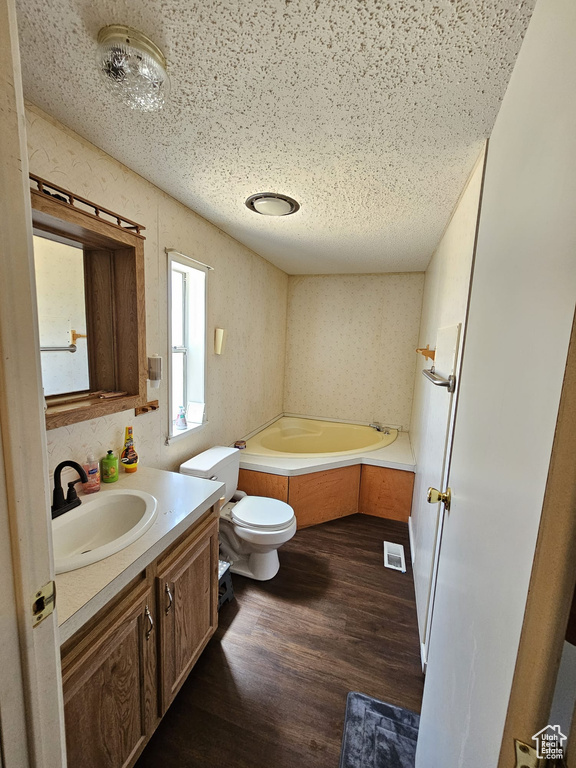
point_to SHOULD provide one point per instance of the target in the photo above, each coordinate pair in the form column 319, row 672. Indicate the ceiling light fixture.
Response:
column 133, row 67
column 270, row 204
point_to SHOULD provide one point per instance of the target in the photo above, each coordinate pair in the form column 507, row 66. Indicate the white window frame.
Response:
column 189, row 264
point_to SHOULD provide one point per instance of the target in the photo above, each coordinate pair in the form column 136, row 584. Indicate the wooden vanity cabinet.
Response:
column 187, row 598
column 122, row 670
column 109, row 682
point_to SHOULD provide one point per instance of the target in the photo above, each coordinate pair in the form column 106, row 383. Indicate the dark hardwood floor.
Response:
column 270, row 689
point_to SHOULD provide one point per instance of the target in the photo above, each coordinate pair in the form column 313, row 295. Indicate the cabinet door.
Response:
column 109, row 680
column 187, row 594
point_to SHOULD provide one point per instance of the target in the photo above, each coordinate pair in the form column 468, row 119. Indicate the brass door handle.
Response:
column 434, row 496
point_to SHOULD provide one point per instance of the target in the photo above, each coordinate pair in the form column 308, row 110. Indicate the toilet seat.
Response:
column 264, row 514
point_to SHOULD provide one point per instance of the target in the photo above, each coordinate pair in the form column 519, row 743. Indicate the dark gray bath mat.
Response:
column 378, row 735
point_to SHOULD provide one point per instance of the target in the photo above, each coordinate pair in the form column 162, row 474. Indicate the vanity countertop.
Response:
column 182, row 500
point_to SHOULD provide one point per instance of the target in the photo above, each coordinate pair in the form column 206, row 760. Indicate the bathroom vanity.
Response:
column 133, row 625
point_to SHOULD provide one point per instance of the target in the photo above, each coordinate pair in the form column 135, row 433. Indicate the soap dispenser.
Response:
column 92, row 469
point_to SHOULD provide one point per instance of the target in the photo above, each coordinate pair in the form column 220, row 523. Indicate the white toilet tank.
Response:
column 218, row 463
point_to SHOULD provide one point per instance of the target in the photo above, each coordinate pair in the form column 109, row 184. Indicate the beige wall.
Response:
column 350, row 346
column 446, row 292
column 246, row 295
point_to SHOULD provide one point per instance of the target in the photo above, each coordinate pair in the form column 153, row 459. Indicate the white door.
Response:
column 520, row 317
column 426, row 519
column 31, row 711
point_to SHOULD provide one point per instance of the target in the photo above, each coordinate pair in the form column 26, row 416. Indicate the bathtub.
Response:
column 292, row 437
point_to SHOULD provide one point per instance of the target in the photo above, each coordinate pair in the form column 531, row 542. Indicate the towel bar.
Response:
column 439, row 381
column 69, row 348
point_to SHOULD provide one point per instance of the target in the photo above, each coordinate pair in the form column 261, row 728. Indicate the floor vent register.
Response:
column 394, row 556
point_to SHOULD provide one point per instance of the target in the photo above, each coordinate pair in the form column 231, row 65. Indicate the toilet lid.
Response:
column 263, row 513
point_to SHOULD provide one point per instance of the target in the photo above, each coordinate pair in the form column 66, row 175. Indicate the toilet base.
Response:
column 260, row 566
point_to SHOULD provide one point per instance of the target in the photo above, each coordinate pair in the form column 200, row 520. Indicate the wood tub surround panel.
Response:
column 323, row 496
column 121, row 671
column 386, row 492
column 263, row 484
column 327, row 495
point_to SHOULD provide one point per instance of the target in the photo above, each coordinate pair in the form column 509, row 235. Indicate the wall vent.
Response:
column 394, row 556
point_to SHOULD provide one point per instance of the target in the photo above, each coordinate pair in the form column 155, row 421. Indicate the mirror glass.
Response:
column 59, row 269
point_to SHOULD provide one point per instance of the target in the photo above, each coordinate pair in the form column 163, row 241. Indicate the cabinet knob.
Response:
column 150, row 619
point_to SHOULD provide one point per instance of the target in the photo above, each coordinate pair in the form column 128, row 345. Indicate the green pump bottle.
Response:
column 110, row 468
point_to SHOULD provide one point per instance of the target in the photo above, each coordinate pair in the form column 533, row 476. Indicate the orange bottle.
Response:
column 129, row 457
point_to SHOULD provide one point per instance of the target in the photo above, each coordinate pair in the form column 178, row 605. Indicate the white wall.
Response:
column 246, row 295
column 350, row 346
column 446, row 287
column 445, row 302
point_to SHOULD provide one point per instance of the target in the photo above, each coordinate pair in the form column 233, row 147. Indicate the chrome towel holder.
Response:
column 69, row 348
column 440, row 381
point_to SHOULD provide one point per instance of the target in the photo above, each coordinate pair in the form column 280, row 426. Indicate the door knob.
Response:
column 434, row 496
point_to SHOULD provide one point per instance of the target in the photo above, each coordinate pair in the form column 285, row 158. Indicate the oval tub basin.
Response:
column 307, row 438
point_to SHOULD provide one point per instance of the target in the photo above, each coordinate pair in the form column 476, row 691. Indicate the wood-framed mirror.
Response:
column 105, row 252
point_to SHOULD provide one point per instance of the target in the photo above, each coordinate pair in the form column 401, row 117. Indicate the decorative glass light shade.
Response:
column 133, row 67
column 271, row 204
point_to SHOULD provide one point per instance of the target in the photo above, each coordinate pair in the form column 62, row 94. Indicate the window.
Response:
column 187, row 343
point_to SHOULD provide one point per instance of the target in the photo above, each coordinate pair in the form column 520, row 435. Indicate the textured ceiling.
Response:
column 371, row 114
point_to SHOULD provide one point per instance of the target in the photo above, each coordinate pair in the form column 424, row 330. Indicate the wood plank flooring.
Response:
column 270, row 689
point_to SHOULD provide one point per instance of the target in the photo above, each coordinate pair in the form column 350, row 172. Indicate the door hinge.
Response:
column 527, row 757
column 43, row 603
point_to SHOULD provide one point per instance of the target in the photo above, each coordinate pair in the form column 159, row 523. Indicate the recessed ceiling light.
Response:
column 270, row 204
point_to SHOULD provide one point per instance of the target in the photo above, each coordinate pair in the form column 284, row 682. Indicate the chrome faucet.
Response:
column 379, row 428
column 59, row 504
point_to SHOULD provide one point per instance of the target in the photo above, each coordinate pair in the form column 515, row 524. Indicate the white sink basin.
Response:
column 100, row 527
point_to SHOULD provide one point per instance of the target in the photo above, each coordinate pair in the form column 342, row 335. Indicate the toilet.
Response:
column 251, row 527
